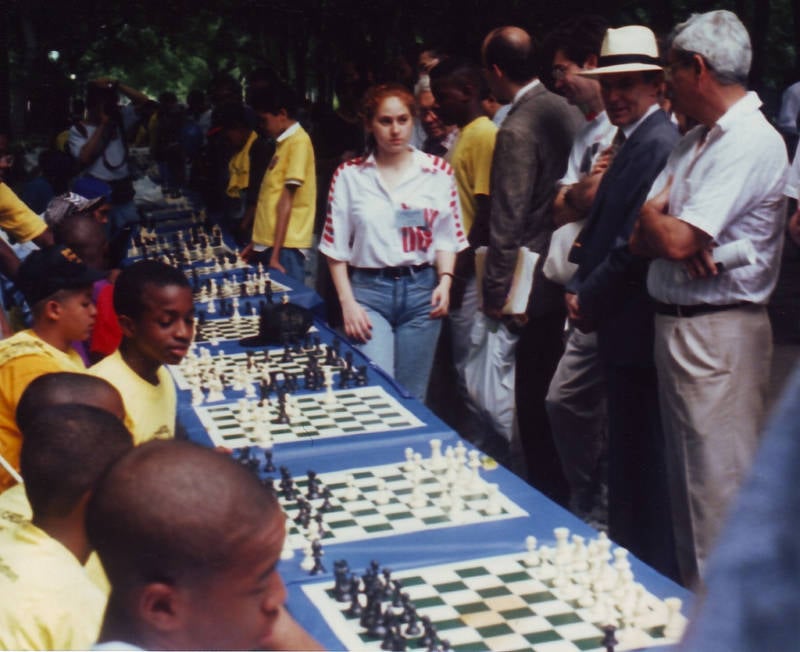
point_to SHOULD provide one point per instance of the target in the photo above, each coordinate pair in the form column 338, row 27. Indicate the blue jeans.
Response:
column 293, row 261
column 403, row 334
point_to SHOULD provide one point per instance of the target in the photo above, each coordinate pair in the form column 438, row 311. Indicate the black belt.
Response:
column 676, row 310
column 393, row 272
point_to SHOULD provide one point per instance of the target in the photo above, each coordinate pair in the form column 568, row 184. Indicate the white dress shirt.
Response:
column 728, row 182
column 361, row 225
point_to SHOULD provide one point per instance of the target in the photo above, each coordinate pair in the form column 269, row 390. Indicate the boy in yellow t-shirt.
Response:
column 58, row 287
column 154, row 305
column 47, row 599
column 284, row 221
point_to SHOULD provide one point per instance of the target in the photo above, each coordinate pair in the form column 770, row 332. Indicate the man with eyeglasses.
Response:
column 576, row 402
column 723, row 184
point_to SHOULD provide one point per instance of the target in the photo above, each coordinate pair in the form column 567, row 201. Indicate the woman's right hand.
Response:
column 356, row 322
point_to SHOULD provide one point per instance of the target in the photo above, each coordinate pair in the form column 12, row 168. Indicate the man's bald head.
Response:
column 175, row 512
column 511, row 49
column 66, row 388
column 82, row 233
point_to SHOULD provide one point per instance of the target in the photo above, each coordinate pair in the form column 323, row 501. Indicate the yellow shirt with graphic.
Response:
column 23, row 358
column 47, row 601
column 16, row 218
column 472, row 163
column 15, row 509
column 239, row 168
column 292, row 164
column 150, row 410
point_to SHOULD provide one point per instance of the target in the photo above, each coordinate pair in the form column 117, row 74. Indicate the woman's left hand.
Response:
column 440, row 299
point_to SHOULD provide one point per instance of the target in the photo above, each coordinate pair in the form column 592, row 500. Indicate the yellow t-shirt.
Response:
column 47, row 601
column 292, row 164
column 15, row 509
column 239, row 168
column 472, row 163
column 150, row 410
column 23, row 358
column 16, row 218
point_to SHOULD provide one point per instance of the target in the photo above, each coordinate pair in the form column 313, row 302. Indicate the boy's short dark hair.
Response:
column 60, row 388
column 65, row 451
column 459, row 71
column 273, row 99
column 130, row 285
column 53, row 269
column 231, row 115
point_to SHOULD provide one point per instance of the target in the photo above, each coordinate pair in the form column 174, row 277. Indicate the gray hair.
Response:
column 722, row 40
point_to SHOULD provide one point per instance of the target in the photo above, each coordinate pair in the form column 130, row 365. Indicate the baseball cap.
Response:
column 65, row 205
column 46, row 271
column 90, row 188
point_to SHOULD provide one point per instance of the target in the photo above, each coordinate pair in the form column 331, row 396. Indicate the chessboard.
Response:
column 391, row 499
column 248, row 367
column 181, row 247
column 506, row 602
column 221, row 330
column 356, row 411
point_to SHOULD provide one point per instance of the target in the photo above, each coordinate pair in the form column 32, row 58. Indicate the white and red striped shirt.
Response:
column 361, row 225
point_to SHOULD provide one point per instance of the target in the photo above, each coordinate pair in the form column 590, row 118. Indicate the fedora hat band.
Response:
column 619, row 59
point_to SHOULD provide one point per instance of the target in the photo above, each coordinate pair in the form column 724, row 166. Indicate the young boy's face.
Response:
column 77, row 314
column 164, row 330
column 273, row 123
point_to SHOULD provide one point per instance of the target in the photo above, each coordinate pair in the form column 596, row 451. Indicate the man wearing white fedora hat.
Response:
column 608, row 294
column 713, row 341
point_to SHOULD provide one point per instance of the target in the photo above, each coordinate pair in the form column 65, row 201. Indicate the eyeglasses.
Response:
column 559, row 72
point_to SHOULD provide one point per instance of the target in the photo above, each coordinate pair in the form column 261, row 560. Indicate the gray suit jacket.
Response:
column 530, row 156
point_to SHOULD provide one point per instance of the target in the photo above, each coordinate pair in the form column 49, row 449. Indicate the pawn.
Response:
column 354, row 610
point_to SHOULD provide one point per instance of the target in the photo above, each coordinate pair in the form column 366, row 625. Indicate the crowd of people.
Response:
column 641, row 200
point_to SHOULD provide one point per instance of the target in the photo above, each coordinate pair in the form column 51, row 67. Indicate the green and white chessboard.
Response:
column 374, row 511
column 356, row 411
column 496, row 603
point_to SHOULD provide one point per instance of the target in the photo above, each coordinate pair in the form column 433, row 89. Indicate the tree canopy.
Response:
column 158, row 46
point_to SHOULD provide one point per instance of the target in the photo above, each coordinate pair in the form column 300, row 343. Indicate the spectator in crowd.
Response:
column 393, row 302
column 531, row 154
column 713, row 341
column 439, row 137
column 576, row 399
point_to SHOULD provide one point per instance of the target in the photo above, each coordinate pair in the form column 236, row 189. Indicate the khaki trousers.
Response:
column 713, row 375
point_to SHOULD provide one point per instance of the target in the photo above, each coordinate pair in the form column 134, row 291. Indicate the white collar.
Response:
column 524, row 90
column 743, row 107
column 629, row 129
column 288, row 132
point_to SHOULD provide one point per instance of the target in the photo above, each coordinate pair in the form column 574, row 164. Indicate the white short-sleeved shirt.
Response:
column 363, row 221
column 595, row 136
column 729, row 184
column 793, row 182
column 114, row 154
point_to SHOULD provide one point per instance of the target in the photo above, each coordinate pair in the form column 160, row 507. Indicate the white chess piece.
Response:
column 418, row 498
column 308, row 559
column 532, row 558
column 409, row 465
column 330, row 397
column 493, row 506
column 382, row 496
column 474, row 469
column 676, row 623
column 351, row 493
column 436, row 461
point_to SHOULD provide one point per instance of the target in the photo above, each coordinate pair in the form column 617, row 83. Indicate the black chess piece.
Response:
column 201, row 317
column 609, row 640
column 355, row 610
column 313, row 485
column 412, row 628
column 326, row 504
column 269, row 467
column 316, row 551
